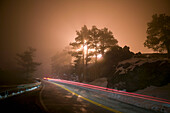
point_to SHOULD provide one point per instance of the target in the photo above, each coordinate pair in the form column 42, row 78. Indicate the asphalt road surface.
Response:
column 58, row 100
column 87, row 105
column 52, row 98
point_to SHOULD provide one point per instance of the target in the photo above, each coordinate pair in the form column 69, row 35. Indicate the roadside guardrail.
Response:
column 19, row 89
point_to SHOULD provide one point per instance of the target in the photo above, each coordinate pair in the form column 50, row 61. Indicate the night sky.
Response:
column 50, row 25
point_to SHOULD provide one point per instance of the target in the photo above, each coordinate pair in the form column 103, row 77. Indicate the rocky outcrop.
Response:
column 139, row 73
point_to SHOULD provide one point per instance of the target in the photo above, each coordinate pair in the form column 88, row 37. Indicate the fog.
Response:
column 49, row 25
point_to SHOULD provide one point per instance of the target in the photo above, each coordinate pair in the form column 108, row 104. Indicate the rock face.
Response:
column 138, row 73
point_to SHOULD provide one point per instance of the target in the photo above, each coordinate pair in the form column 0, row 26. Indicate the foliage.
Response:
column 25, row 61
column 113, row 57
column 107, row 40
column 108, row 64
column 95, row 35
column 159, row 33
column 90, row 43
column 78, row 50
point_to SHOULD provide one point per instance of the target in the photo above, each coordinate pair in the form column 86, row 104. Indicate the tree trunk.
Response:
column 102, row 51
column 95, row 53
column 85, row 74
column 167, row 44
column 87, row 56
column 83, row 64
column 96, row 58
column 168, row 50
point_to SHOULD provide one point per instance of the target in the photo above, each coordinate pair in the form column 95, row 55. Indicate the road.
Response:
column 74, row 103
column 57, row 98
column 27, row 102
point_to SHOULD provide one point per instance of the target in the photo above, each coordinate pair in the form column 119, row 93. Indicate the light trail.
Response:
column 146, row 97
column 76, row 83
column 115, row 91
column 91, row 101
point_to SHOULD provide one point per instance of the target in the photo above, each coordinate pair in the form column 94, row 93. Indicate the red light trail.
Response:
column 146, row 97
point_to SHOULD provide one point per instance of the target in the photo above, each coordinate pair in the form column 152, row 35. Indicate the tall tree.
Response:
column 78, row 56
column 25, row 61
column 107, row 40
column 81, row 47
column 158, row 33
column 83, row 39
column 89, row 43
column 94, row 34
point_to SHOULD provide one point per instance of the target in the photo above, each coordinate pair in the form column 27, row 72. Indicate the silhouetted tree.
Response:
column 107, row 40
column 114, row 56
column 78, row 57
column 25, row 61
column 159, row 33
column 89, row 43
column 82, row 41
column 95, row 34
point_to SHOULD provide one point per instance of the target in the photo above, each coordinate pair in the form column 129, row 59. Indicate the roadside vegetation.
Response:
column 95, row 53
column 22, row 73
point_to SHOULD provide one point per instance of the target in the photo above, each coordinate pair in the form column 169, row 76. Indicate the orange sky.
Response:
column 50, row 25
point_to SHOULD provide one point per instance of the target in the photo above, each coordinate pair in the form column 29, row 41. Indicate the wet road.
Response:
column 58, row 98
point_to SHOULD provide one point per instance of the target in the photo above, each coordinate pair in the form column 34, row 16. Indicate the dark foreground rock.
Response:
column 139, row 73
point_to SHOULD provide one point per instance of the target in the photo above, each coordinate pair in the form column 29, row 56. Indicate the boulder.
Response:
column 138, row 73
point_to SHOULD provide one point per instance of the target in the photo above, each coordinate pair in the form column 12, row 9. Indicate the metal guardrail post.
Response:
column 6, row 93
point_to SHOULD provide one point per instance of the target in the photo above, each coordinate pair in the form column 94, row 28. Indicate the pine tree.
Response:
column 25, row 61
column 80, row 48
column 159, row 33
column 94, row 34
column 107, row 40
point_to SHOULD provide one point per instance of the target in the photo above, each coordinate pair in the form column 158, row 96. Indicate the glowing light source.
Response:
column 46, row 78
column 99, row 56
column 85, row 49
